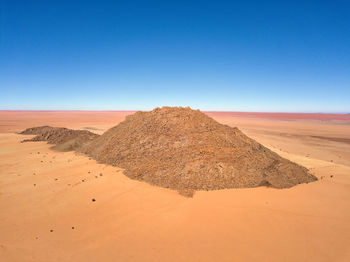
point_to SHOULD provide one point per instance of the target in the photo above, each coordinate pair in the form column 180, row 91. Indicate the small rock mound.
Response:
column 64, row 138
column 36, row 130
column 186, row 150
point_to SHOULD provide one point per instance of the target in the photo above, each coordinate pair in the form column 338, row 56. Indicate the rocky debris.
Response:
column 64, row 138
column 185, row 150
column 181, row 149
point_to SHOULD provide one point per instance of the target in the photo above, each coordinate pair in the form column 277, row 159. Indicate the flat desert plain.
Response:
column 59, row 206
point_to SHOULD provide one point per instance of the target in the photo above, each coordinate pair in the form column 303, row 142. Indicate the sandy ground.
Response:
column 47, row 212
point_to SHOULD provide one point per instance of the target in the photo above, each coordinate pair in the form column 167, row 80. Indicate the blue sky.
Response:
column 286, row 56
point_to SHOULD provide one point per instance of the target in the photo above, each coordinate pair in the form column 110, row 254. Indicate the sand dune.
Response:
column 48, row 212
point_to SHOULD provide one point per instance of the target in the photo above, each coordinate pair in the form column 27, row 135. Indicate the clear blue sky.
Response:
column 289, row 56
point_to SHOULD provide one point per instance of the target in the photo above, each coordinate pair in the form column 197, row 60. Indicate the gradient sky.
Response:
column 286, row 56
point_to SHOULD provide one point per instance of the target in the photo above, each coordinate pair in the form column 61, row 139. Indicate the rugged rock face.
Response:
column 65, row 139
column 186, row 150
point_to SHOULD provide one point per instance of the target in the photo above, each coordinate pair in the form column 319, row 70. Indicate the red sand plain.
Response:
column 43, row 190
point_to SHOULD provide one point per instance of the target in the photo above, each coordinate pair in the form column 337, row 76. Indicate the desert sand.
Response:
column 63, row 206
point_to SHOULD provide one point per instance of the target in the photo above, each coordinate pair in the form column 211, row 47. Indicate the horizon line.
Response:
column 133, row 110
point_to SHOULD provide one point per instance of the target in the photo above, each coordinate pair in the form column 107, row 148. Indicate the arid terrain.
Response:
column 64, row 206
